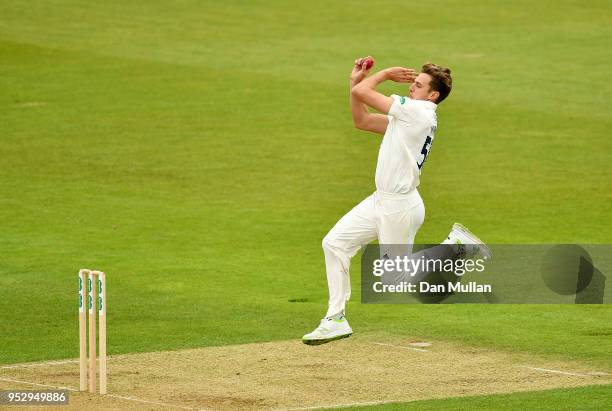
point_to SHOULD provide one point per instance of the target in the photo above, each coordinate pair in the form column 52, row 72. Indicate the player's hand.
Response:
column 401, row 74
column 361, row 69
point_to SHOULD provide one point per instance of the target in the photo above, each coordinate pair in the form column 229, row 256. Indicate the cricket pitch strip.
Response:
column 288, row 375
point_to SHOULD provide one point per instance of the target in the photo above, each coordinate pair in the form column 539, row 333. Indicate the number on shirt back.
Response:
column 425, row 151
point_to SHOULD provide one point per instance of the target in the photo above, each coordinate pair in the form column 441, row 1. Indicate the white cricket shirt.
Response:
column 405, row 145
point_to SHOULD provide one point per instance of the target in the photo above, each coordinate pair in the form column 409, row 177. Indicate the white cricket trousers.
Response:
column 392, row 218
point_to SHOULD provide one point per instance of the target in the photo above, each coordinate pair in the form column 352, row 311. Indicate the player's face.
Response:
column 419, row 90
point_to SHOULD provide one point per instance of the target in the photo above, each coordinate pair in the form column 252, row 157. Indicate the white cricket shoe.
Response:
column 328, row 330
column 468, row 244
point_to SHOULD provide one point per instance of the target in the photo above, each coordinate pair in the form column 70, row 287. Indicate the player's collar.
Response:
column 431, row 105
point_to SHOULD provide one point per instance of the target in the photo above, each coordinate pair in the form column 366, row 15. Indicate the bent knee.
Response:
column 327, row 242
column 332, row 241
column 336, row 244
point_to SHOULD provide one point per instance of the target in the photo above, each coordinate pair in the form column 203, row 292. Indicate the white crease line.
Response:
column 37, row 364
column 106, row 395
column 564, row 372
column 38, row 385
column 353, row 404
column 400, row 346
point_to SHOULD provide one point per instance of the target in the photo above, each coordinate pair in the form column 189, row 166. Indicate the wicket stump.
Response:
column 92, row 294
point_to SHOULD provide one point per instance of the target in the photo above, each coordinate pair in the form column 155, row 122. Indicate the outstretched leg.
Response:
column 356, row 228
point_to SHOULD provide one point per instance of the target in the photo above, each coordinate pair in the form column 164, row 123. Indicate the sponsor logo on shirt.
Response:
column 402, row 100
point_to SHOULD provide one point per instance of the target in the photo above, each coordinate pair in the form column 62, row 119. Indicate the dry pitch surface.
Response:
column 366, row 369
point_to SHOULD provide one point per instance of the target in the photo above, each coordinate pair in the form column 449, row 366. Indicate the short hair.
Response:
column 441, row 80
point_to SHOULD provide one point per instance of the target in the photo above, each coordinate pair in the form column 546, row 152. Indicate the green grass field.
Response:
column 586, row 398
column 198, row 152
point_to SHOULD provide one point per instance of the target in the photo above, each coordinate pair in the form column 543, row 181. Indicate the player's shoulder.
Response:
column 416, row 109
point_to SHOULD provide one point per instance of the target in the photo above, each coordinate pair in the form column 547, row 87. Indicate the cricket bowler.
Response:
column 395, row 211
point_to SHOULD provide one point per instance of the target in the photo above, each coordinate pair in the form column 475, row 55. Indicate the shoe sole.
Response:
column 484, row 250
column 326, row 340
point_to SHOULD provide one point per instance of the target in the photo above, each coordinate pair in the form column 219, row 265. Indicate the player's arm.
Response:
column 362, row 118
column 365, row 91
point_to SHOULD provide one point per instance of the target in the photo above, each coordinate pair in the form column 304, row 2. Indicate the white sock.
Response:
column 338, row 316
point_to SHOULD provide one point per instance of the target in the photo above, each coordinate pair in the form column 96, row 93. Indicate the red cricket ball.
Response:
column 368, row 63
